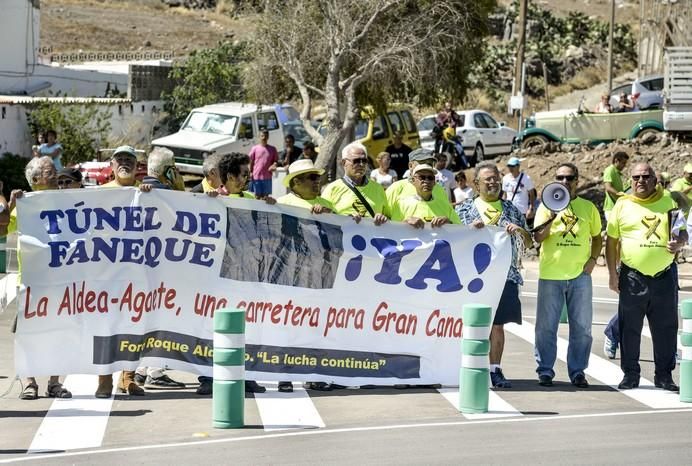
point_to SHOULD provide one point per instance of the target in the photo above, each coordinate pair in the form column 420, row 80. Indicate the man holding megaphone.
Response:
column 570, row 235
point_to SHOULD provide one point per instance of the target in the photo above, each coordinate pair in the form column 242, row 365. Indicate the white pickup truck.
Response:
column 677, row 90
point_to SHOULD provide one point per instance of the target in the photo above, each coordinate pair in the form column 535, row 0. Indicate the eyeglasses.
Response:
column 641, row 177
column 309, row 176
column 358, row 161
column 426, row 177
column 65, row 182
column 566, row 177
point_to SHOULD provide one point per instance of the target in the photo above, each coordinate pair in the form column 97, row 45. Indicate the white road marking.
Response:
column 497, row 407
column 77, row 422
column 303, row 433
column 281, row 411
column 608, row 373
column 8, row 290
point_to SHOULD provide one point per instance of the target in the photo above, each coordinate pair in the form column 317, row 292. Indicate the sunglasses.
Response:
column 358, row 161
column 65, row 182
column 426, row 177
column 310, row 176
column 566, row 177
column 641, row 177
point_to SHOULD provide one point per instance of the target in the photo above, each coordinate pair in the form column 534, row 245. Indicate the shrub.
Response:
column 12, row 173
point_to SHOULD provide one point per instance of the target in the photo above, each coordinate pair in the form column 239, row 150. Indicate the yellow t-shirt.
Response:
column 115, row 184
column 405, row 188
column 295, row 201
column 414, row 206
column 679, row 185
column 490, row 211
column 565, row 251
column 246, row 195
column 644, row 231
column 346, row 202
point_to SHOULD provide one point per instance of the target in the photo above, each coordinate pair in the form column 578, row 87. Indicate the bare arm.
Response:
column 612, row 191
column 612, row 254
column 540, row 235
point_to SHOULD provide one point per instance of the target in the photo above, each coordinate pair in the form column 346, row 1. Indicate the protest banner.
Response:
column 114, row 279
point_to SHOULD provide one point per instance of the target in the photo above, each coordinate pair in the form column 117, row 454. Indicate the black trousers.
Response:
column 657, row 299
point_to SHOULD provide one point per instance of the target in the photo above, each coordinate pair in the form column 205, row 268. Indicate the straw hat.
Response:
column 301, row 167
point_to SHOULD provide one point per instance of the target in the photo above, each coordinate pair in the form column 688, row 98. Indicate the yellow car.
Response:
column 376, row 130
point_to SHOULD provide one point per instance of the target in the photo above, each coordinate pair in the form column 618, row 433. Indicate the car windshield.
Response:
column 295, row 128
column 211, row 123
column 426, row 124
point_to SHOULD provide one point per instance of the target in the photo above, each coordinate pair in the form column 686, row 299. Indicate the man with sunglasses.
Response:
column 489, row 209
column 424, row 207
column 405, row 187
column 641, row 238
column 69, row 178
column 570, row 243
column 356, row 194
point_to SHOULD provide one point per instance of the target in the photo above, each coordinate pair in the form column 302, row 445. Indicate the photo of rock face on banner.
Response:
column 280, row 249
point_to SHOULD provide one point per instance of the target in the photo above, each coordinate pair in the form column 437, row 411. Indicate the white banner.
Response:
column 115, row 279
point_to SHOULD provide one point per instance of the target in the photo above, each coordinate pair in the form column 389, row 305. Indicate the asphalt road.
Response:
column 527, row 423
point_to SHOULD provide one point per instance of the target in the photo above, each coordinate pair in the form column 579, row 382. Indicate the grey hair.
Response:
column 485, row 165
column 210, row 163
column 159, row 159
column 645, row 163
column 350, row 147
column 32, row 171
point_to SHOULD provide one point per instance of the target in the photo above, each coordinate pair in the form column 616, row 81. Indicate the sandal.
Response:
column 56, row 390
column 30, row 392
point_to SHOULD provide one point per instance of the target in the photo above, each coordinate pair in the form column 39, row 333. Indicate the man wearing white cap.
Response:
column 123, row 164
column 518, row 188
column 424, row 207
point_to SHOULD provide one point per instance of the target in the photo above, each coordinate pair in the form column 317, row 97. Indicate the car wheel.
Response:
column 533, row 140
column 478, row 154
column 646, row 131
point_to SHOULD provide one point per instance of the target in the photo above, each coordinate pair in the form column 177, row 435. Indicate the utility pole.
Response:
column 610, row 46
column 521, row 45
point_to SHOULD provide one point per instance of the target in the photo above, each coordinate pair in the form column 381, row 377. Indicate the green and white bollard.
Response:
column 474, row 375
column 563, row 314
column 686, row 360
column 3, row 254
column 228, row 398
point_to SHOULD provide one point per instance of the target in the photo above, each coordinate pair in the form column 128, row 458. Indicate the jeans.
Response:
column 612, row 330
column 551, row 297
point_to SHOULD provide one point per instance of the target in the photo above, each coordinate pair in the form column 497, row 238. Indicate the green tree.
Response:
column 81, row 128
column 351, row 52
column 207, row 76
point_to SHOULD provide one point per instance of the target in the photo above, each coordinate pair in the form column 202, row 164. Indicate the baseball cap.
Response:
column 420, row 154
column 129, row 150
column 513, row 162
column 688, row 168
column 423, row 168
column 71, row 173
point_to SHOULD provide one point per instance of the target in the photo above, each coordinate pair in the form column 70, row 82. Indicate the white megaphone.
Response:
column 555, row 197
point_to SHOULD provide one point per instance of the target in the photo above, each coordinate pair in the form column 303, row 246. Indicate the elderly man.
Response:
column 489, row 209
column 211, row 181
column 123, row 165
column 570, row 243
column 356, row 194
column 69, row 178
column 41, row 175
column 405, row 187
column 640, row 237
column 424, row 207
column 518, row 188
column 684, row 186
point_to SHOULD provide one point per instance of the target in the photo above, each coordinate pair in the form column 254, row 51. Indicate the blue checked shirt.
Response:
column 468, row 213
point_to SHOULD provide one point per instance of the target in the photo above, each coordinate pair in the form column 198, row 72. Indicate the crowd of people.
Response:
column 644, row 230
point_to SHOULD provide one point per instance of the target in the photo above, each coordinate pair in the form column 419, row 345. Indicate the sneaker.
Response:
column 163, row 381
column 253, row 387
column 285, row 387
column 609, row 348
column 498, row 379
column 140, row 379
column 320, row 386
column 206, row 387
column 545, row 380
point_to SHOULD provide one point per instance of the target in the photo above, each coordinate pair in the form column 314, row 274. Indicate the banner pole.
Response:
column 228, row 396
column 686, row 360
column 474, row 376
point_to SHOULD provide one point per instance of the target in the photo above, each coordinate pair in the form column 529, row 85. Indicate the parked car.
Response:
column 228, row 127
column 481, row 134
column 648, row 91
column 575, row 126
column 375, row 130
column 99, row 171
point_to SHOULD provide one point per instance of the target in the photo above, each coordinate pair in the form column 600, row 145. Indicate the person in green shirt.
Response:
column 684, row 186
column 570, row 243
column 303, row 182
column 404, row 187
column 613, row 181
column 642, row 240
column 370, row 201
column 423, row 206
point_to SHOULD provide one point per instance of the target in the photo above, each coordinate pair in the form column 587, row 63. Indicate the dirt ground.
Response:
column 103, row 25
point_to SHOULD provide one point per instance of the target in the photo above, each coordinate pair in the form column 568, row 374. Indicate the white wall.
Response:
column 130, row 124
column 19, row 41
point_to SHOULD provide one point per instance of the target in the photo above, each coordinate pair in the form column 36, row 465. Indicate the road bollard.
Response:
column 3, row 254
column 563, row 314
column 475, row 347
column 228, row 396
column 686, row 360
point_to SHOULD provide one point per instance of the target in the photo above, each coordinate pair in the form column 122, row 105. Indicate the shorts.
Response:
column 509, row 309
column 261, row 187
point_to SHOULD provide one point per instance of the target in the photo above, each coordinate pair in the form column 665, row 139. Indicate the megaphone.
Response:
column 555, row 197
